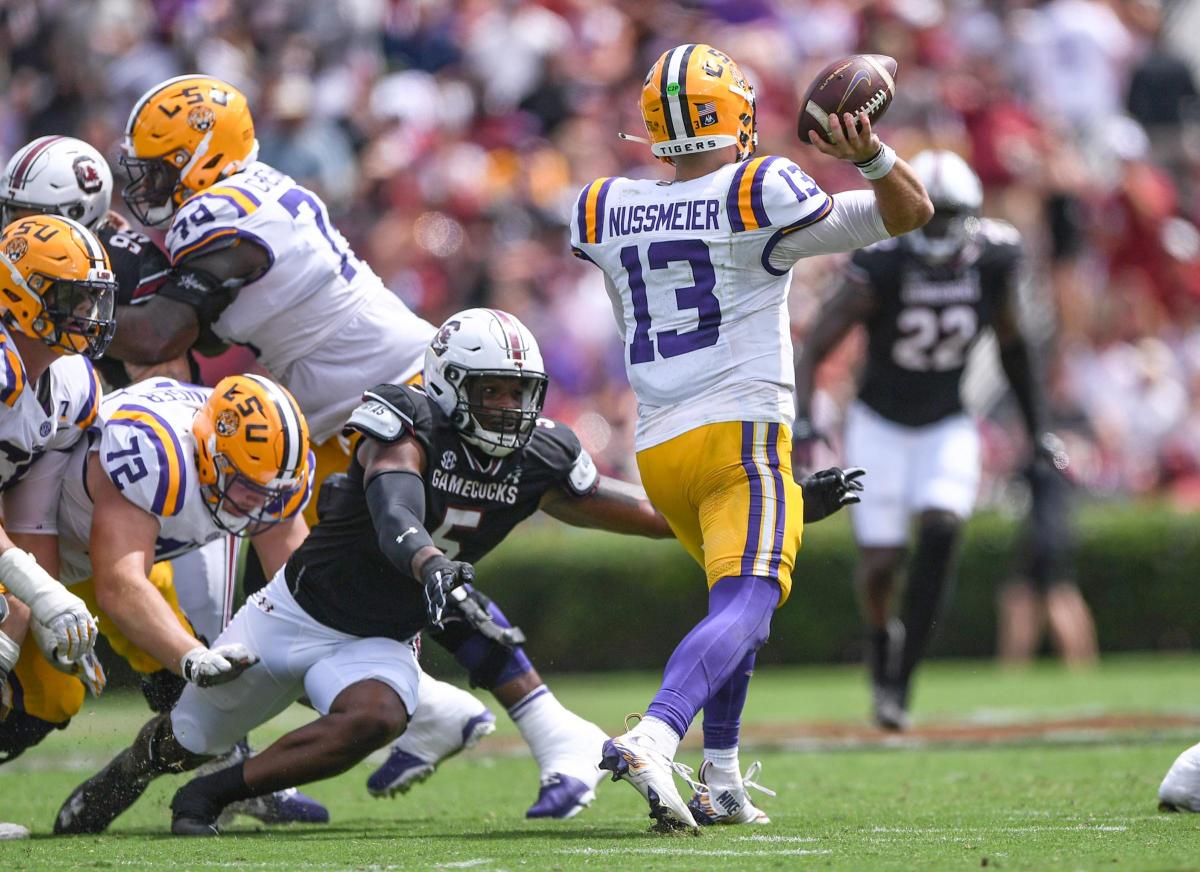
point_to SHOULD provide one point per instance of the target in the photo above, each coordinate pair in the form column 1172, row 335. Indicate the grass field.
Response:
column 1035, row 770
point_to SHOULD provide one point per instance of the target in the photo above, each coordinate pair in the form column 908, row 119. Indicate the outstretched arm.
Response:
column 1017, row 360
column 615, row 505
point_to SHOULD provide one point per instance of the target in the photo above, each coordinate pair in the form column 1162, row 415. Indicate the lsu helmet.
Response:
column 57, row 284
column 183, row 136
column 57, row 175
column 252, row 454
column 957, row 197
column 475, row 345
column 696, row 99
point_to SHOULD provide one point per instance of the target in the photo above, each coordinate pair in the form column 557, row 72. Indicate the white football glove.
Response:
column 205, row 667
column 86, row 667
column 59, row 611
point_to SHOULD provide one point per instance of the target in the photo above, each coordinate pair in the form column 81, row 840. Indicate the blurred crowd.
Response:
column 451, row 138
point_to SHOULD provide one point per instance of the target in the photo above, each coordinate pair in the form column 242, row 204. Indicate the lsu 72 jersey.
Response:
column 147, row 449
column 698, row 302
column 51, row 415
column 316, row 300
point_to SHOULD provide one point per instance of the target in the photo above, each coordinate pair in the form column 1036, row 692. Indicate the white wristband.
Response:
column 879, row 165
column 10, row 651
column 34, row 586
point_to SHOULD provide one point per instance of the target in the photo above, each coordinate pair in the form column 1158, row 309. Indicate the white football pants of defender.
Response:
column 910, row 469
column 206, row 584
column 300, row 657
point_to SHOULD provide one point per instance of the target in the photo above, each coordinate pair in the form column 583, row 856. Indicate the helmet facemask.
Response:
column 77, row 315
column 945, row 234
column 242, row 506
column 496, row 410
column 154, row 183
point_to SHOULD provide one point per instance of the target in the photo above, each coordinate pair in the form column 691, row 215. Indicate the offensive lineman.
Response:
column 925, row 300
column 353, row 584
column 697, row 270
column 56, row 306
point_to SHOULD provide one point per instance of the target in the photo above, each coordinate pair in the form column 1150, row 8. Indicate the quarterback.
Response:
column 698, row 269
column 55, row 314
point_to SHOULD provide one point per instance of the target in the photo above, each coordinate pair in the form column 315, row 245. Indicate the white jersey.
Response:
column 305, row 301
column 146, row 448
column 51, row 415
column 698, row 302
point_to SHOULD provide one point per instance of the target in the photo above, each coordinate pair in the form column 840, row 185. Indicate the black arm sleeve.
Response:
column 1017, row 361
column 201, row 290
column 396, row 500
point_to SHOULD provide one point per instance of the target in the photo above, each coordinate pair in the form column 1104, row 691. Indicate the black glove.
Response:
column 825, row 492
column 440, row 576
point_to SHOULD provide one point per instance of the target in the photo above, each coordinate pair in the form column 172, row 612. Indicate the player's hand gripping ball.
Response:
column 860, row 83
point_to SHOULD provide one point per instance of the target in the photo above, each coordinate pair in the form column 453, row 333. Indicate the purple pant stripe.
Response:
column 780, row 497
column 754, row 521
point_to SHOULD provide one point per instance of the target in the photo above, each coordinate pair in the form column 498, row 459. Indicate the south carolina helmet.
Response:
column 477, row 344
column 57, row 175
column 957, row 197
column 57, row 284
column 184, row 135
column 696, row 99
column 253, row 458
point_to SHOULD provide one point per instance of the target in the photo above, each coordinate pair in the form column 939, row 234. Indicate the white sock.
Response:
column 662, row 738
column 723, row 765
column 435, row 728
column 553, row 733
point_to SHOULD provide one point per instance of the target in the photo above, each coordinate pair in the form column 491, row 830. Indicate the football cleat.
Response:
column 193, row 813
column 9, row 832
column 100, row 800
column 288, row 806
column 630, row 758
column 715, row 803
column 404, row 769
column 562, row 796
column 891, row 707
column 569, row 778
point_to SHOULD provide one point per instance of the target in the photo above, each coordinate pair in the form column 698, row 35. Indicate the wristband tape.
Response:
column 880, row 164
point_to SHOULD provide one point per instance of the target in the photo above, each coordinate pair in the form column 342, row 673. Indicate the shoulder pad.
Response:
column 772, row 191
column 587, row 219
column 211, row 220
column 78, row 392
column 556, row 445
column 12, row 373
column 386, row 413
column 144, row 457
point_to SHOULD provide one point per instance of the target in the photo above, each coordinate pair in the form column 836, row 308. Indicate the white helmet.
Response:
column 57, row 175
column 957, row 196
column 477, row 344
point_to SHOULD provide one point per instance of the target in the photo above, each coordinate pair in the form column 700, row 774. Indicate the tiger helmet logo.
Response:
column 227, row 423
column 442, row 340
column 201, row 119
column 16, row 249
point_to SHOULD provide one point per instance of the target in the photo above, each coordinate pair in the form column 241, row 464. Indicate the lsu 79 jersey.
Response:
column 51, row 415
column 698, row 301
column 315, row 301
column 147, row 449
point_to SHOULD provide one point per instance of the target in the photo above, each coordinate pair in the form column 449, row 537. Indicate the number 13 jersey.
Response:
column 699, row 304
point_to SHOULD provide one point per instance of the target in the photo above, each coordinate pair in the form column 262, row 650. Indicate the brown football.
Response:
column 853, row 84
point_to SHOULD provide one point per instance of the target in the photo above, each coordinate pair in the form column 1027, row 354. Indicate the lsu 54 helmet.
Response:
column 184, row 135
column 252, row 454
column 484, row 370
column 696, row 99
column 57, row 175
column 57, row 285
column 957, row 196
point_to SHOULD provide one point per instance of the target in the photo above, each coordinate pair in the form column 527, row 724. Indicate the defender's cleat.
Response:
column 1180, row 788
column 561, row 797
column 714, row 803
column 402, row 770
column 891, row 707
column 96, row 803
column 288, row 806
column 9, row 832
column 652, row 773
column 193, row 813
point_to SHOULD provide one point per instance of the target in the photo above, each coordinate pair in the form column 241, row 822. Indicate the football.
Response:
column 857, row 83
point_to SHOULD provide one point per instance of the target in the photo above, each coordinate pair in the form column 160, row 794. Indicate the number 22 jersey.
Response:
column 699, row 303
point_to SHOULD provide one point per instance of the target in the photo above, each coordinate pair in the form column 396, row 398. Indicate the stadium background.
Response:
column 450, row 140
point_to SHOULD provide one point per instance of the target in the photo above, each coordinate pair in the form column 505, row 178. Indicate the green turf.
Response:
column 1083, row 804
